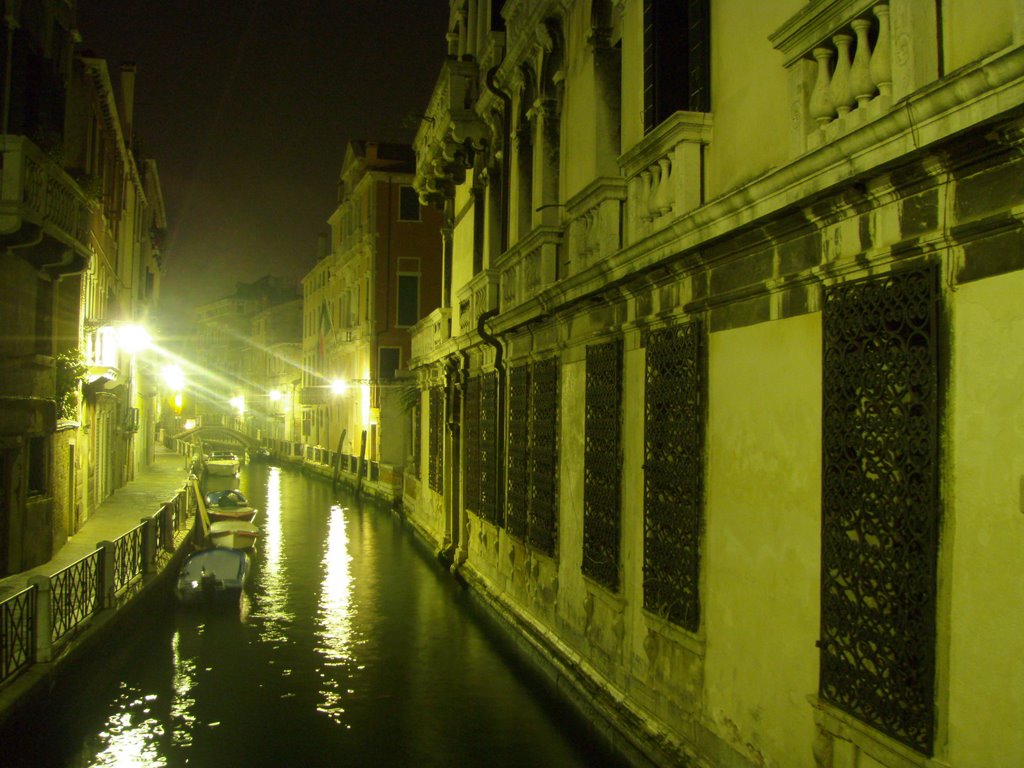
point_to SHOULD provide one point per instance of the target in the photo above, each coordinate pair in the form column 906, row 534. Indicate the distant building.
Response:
column 380, row 276
column 80, row 223
column 222, row 351
column 723, row 407
column 273, row 373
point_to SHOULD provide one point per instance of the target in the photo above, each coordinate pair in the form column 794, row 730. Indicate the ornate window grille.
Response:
column 489, row 443
column 416, row 428
column 517, row 499
column 602, row 464
column 542, row 521
column 436, row 458
column 673, row 473
column 880, row 505
column 471, row 435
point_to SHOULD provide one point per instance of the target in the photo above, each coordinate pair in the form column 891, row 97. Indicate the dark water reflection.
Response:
column 351, row 648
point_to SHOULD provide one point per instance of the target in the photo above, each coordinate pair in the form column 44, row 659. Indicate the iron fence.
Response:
column 17, row 633
column 76, row 594
column 128, row 558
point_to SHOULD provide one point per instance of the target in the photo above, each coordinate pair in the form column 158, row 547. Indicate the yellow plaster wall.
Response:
column 983, row 535
column 762, row 541
column 974, row 29
column 750, row 104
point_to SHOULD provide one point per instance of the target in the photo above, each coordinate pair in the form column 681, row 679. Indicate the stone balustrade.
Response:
column 664, row 174
column 477, row 296
column 431, row 332
column 529, row 266
column 37, row 191
column 849, row 61
column 593, row 224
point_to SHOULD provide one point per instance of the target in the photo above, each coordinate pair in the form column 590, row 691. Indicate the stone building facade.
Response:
column 80, row 224
column 378, row 277
column 721, row 409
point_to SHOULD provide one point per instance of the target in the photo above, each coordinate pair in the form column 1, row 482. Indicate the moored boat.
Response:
column 229, row 504
column 233, row 534
column 223, row 463
column 213, row 577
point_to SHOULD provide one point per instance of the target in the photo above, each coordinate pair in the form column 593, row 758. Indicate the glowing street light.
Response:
column 133, row 338
column 174, row 378
column 238, row 403
column 274, row 395
column 338, row 387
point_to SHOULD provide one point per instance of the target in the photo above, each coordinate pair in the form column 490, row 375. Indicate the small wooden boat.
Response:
column 229, row 504
column 233, row 534
column 213, row 577
column 230, row 534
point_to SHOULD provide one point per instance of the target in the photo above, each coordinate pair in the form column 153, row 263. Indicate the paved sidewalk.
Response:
column 118, row 514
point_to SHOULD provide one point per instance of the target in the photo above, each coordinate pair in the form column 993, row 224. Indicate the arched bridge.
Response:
column 217, row 434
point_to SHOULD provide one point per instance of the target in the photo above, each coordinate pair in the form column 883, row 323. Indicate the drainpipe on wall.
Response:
column 506, row 152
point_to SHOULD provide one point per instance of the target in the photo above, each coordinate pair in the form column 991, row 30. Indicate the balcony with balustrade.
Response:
column 849, row 62
column 664, row 174
column 476, row 297
column 43, row 212
column 429, row 335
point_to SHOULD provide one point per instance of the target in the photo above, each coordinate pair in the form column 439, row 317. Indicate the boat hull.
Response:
column 213, row 578
column 233, row 534
column 222, row 468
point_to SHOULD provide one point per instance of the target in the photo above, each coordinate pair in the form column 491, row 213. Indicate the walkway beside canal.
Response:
column 116, row 516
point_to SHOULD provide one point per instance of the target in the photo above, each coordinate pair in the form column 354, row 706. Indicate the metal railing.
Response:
column 37, row 621
column 17, row 633
column 75, row 594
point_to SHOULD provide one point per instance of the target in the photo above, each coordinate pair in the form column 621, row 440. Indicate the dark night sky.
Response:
column 247, row 106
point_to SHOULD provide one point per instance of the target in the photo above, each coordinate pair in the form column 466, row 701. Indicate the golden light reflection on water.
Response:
column 273, row 598
column 182, row 701
column 335, row 615
column 130, row 738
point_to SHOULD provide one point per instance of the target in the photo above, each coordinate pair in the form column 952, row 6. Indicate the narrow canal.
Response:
column 352, row 648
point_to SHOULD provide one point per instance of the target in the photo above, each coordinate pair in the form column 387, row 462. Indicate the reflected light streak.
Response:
column 182, row 701
column 336, row 613
column 273, row 575
column 131, row 736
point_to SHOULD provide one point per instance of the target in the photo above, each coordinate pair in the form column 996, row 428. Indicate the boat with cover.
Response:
column 213, row 577
column 229, row 504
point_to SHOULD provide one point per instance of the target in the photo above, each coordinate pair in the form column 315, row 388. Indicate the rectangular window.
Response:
column 436, row 438
column 471, row 433
column 408, row 204
column 417, row 414
column 677, row 43
column 542, row 522
column 602, row 463
column 388, row 361
column 674, row 473
column 880, row 502
column 517, row 496
column 489, row 444
column 408, row 300
column 38, row 466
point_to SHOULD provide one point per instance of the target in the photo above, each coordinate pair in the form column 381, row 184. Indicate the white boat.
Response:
column 233, row 534
column 213, row 577
column 223, row 463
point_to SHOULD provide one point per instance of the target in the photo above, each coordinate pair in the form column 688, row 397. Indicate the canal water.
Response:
column 352, row 647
